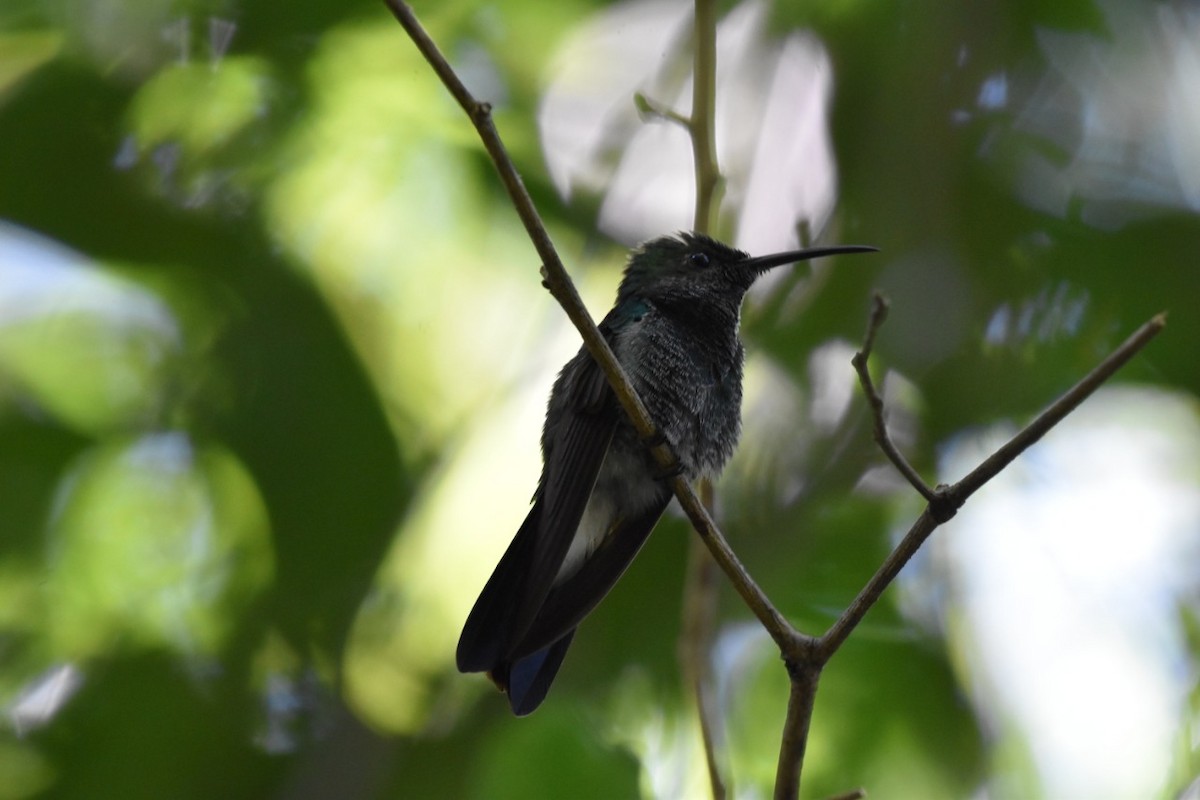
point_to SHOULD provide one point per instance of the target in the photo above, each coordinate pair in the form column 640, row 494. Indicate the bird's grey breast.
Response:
column 688, row 371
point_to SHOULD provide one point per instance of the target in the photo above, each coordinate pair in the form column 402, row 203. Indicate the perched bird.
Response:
column 674, row 329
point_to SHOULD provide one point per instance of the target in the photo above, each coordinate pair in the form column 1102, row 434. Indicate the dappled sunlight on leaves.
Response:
column 200, row 106
column 22, row 52
column 890, row 728
column 664, row 737
column 771, row 118
column 157, row 541
column 1109, row 131
column 87, row 346
column 1054, row 313
column 186, row 121
column 26, row 772
column 382, row 204
column 274, row 357
column 407, row 632
column 1061, row 592
column 569, row 760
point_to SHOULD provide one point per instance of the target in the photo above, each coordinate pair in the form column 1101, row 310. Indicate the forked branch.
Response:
column 944, row 501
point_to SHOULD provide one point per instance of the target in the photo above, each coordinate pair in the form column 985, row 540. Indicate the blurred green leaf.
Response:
column 22, row 52
column 200, row 106
column 157, row 541
column 87, row 346
column 554, row 756
column 274, row 354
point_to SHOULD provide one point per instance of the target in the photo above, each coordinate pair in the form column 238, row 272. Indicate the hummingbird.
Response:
column 674, row 330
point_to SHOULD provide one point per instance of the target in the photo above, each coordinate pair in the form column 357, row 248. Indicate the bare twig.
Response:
column 883, row 577
column 1061, row 407
column 755, row 599
column 946, row 500
column 651, row 110
column 879, row 309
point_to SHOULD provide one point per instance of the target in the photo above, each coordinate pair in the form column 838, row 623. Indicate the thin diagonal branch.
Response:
column 553, row 271
column 755, row 599
column 925, row 525
column 1061, row 407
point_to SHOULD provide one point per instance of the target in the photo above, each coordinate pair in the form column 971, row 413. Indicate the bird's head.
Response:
column 690, row 262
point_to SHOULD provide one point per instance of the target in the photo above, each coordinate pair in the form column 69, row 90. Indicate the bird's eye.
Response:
column 698, row 260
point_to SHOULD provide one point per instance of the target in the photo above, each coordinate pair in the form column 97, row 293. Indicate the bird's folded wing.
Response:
column 573, row 599
column 517, row 588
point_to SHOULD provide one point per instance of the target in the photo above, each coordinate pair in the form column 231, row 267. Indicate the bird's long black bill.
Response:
column 763, row 263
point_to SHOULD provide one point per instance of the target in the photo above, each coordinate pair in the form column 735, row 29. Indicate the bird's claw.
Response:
column 669, row 472
column 654, row 439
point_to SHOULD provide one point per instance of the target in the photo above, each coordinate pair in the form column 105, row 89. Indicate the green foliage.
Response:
column 274, row 351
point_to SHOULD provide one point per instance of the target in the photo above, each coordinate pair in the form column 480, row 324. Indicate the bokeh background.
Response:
column 274, row 354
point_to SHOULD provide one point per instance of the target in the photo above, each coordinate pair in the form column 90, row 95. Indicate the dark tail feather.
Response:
column 529, row 678
column 489, row 631
column 574, row 598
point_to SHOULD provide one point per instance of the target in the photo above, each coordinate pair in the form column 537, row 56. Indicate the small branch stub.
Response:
column 650, row 110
